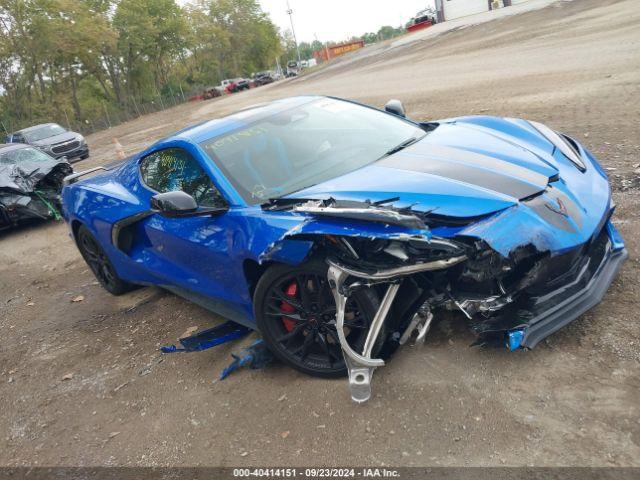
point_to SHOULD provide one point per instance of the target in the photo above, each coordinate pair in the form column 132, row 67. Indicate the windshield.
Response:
column 306, row 145
column 43, row 132
column 21, row 155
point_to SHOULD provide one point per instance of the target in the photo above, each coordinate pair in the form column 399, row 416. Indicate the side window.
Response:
column 174, row 169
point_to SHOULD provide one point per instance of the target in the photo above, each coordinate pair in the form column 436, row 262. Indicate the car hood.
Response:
column 459, row 169
column 63, row 137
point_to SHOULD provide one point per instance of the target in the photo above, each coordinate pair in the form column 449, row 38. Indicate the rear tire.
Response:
column 295, row 312
column 100, row 264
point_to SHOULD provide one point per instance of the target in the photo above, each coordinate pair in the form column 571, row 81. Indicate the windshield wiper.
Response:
column 402, row 146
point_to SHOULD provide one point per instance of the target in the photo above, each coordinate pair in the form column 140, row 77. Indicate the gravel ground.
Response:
column 82, row 382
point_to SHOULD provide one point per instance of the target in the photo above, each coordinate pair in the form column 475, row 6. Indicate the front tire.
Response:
column 295, row 312
column 100, row 264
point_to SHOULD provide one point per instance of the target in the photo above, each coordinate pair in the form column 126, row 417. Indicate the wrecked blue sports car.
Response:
column 340, row 231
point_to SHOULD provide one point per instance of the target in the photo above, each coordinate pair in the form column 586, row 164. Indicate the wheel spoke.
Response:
column 107, row 273
column 288, row 336
column 327, row 348
column 308, row 341
column 277, row 295
column 327, row 302
column 90, row 247
column 291, row 316
column 304, row 292
column 91, row 256
column 353, row 325
column 333, row 334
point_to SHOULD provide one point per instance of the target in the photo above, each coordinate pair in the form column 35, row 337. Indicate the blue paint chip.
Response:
column 514, row 339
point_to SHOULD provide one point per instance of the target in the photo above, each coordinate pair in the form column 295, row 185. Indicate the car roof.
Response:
column 35, row 127
column 6, row 147
column 213, row 128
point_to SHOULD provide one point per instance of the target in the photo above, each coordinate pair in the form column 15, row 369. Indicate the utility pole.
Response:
column 290, row 13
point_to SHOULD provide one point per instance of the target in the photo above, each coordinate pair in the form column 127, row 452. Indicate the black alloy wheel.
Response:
column 100, row 264
column 296, row 314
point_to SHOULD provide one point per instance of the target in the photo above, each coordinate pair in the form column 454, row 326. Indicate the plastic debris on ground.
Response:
column 256, row 356
column 209, row 338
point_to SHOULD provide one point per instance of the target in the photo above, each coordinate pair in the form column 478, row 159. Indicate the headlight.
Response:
column 44, row 148
column 561, row 144
column 80, row 138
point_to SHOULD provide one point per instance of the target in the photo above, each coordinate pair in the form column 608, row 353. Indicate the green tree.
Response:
column 151, row 35
column 69, row 60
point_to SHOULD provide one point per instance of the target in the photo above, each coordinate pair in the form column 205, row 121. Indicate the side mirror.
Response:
column 395, row 107
column 180, row 204
column 174, row 204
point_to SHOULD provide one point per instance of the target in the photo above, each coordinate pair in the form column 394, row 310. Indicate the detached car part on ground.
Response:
column 30, row 184
column 53, row 140
column 340, row 231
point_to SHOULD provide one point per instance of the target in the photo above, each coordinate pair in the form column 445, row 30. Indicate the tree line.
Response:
column 80, row 61
column 76, row 60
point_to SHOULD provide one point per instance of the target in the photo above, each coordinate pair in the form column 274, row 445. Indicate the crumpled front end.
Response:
column 31, row 191
column 517, row 275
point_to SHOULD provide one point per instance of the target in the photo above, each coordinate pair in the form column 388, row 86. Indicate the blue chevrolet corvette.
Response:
column 341, row 231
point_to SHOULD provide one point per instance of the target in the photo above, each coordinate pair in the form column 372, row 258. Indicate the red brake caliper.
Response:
column 291, row 291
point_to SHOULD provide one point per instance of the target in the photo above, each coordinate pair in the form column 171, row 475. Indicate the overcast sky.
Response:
column 341, row 19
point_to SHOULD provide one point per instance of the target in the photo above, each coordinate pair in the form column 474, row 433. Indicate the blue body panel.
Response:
column 208, row 255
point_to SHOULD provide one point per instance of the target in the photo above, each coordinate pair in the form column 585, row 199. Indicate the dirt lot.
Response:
column 82, row 383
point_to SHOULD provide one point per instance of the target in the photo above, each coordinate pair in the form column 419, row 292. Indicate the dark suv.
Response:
column 51, row 138
column 263, row 78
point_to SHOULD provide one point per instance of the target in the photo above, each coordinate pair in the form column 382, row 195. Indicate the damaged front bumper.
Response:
column 553, row 316
column 544, row 314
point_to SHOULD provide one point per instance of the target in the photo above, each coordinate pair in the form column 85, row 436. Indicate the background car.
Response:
column 30, row 184
column 54, row 140
column 426, row 15
column 239, row 84
column 340, row 231
column 235, row 85
column 293, row 69
column 263, row 78
column 211, row 92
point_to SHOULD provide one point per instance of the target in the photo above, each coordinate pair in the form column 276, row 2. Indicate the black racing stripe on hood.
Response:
column 471, row 168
